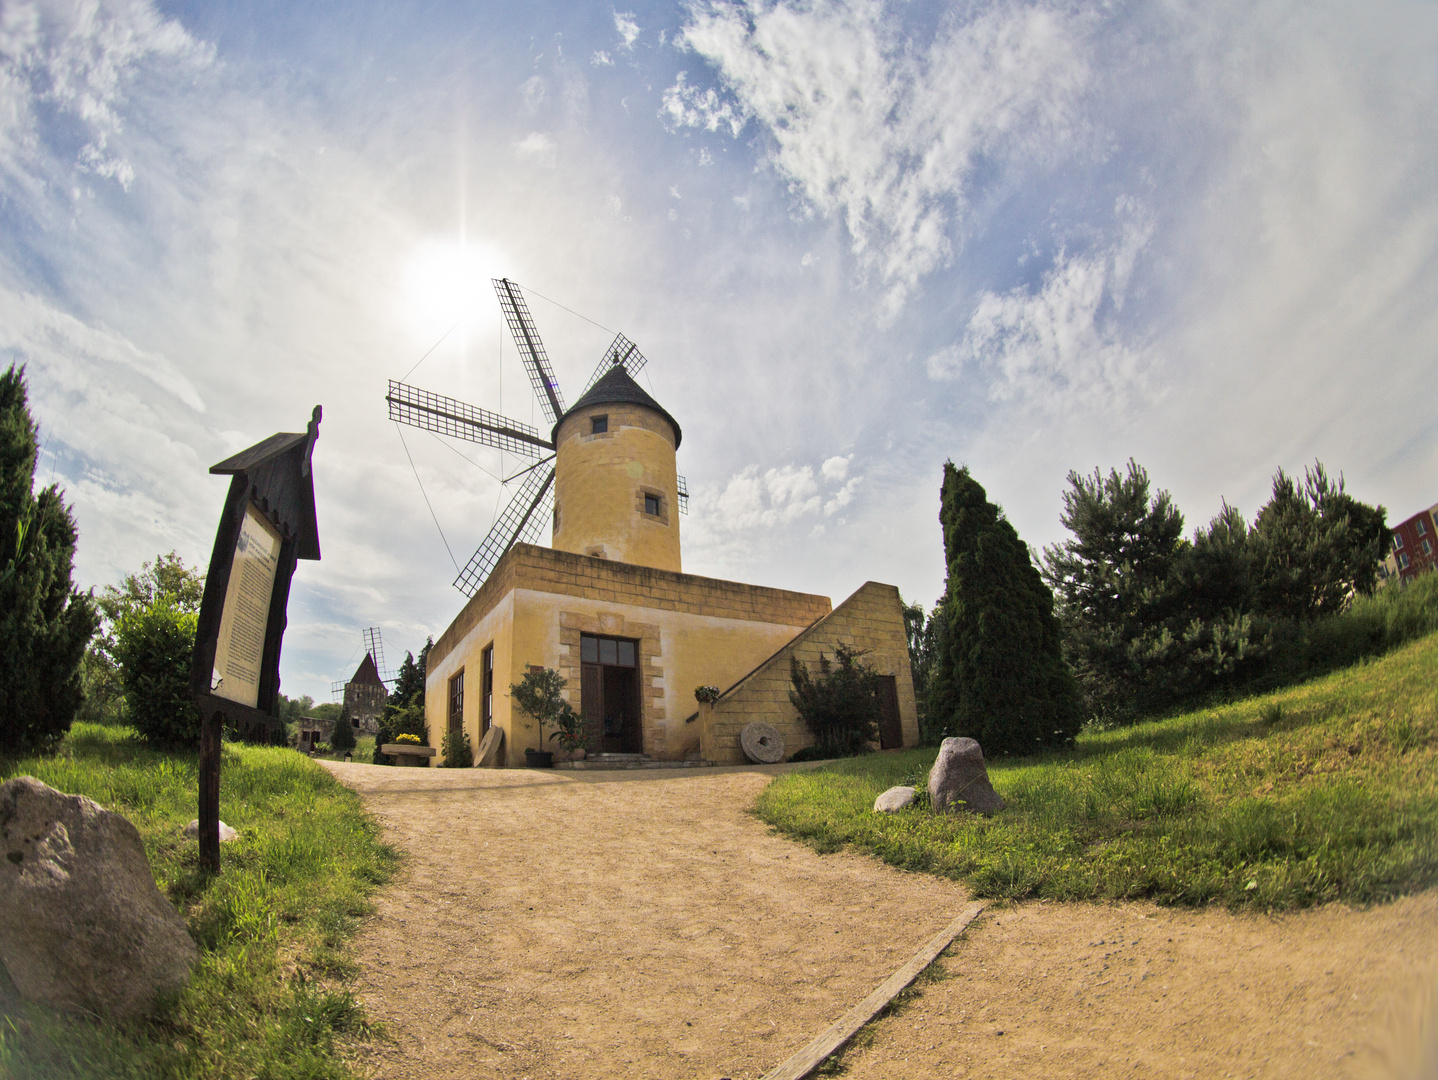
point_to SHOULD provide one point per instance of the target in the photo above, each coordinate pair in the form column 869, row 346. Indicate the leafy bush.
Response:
column 153, row 644
column 456, row 749
column 44, row 622
column 841, row 707
column 166, row 576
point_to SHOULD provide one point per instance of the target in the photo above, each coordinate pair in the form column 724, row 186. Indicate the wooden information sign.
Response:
column 267, row 525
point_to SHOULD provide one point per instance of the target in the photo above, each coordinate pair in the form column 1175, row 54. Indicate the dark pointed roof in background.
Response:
column 616, row 387
column 367, row 672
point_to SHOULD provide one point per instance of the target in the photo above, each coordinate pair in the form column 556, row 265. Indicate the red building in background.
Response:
column 1415, row 547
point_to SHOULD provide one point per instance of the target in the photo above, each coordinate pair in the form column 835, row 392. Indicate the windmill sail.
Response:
column 447, row 416
column 531, row 349
column 621, row 351
column 522, row 521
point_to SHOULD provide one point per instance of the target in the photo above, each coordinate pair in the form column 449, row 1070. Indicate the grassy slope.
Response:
column 269, row 996
column 1324, row 791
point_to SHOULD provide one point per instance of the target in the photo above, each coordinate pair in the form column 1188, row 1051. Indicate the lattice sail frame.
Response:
column 531, row 349
column 449, row 416
column 621, row 351
column 523, row 519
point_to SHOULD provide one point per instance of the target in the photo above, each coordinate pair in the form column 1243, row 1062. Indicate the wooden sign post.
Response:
column 267, row 525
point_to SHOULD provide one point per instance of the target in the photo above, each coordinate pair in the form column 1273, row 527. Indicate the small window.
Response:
column 1427, row 547
column 598, row 425
column 651, row 505
column 1422, row 528
column 1397, row 541
column 1402, row 561
column 615, row 652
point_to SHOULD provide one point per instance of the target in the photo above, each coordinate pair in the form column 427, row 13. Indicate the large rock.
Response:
column 82, row 924
column 895, row 799
column 959, row 780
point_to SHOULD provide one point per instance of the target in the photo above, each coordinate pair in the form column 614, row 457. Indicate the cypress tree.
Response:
column 45, row 623
column 999, row 675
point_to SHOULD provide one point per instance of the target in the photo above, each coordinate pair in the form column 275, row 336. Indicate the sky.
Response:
column 854, row 239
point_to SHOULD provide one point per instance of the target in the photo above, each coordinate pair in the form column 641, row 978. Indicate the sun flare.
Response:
column 447, row 282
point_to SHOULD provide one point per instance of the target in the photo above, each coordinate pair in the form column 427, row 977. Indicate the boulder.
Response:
column 895, row 799
column 959, row 779
column 762, row 744
column 82, row 924
column 192, row 832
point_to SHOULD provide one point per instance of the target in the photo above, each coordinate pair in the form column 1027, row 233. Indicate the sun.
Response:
column 447, row 284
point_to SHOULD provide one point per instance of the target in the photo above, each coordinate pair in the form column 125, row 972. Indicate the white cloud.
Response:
column 843, row 497
column 627, row 28
column 836, row 468
column 533, row 91
column 537, row 147
column 1061, row 346
column 683, row 105
column 877, row 130
column 31, row 327
column 78, row 60
column 601, row 59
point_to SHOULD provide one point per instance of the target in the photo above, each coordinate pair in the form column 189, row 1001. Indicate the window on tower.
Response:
column 651, row 505
column 598, row 425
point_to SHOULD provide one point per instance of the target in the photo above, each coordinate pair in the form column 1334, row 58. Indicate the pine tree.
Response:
column 1120, row 599
column 45, row 623
column 1315, row 546
column 342, row 735
column 999, row 676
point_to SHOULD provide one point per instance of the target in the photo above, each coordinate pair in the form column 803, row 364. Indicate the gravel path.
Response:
column 643, row 924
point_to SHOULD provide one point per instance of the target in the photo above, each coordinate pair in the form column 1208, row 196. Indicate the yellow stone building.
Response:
column 611, row 609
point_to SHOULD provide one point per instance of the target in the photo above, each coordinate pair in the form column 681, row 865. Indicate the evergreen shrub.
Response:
column 999, row 674
column 342, row 737
column 45, row 623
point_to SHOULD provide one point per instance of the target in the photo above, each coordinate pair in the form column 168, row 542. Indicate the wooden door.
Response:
column 891, row 730
column 591, row 705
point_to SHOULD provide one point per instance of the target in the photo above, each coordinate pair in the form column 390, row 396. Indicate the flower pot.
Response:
column 538, row 759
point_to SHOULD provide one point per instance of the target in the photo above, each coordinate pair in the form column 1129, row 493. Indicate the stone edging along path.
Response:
column 593, row 924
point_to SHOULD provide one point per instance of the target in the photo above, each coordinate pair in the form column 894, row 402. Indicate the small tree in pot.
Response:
column 540, row 695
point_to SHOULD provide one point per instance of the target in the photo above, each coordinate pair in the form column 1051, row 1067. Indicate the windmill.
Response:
column 529, row 509
column 374, row 649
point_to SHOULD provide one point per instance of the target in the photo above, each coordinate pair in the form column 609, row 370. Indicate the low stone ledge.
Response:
column 407, row 754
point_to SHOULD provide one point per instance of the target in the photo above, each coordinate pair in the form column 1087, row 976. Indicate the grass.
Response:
column 1324, row 791
column 363, row 751
column 270, row 996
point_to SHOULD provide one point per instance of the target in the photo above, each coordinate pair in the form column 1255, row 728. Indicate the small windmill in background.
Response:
column 530, row 508
column 374, row 659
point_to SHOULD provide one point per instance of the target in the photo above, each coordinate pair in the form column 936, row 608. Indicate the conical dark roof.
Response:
column 616, row 387
column 367, row 672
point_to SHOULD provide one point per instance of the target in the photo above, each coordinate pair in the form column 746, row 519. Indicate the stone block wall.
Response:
column 871, row 619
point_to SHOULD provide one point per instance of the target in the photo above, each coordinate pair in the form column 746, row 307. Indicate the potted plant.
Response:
column 540, row 696
column 569, row 730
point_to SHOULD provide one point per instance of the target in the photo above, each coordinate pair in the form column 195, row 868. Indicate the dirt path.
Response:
column 585, row 925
